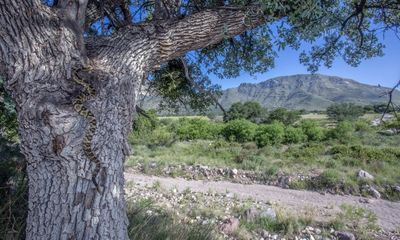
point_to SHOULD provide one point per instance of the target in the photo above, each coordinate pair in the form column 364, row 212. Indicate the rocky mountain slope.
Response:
column 303, row 91
column 310, row 92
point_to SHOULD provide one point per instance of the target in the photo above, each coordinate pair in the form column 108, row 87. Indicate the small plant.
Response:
column 148, row 222
column 358, row 220
column 330, row 178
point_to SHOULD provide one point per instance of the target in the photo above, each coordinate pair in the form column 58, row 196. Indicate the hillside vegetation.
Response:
column 316, row 154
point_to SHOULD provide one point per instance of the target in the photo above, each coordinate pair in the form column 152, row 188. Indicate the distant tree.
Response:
column 251, row 111
column 380, row 108
column 284, row 116
column 368, row 108
column 344, row 111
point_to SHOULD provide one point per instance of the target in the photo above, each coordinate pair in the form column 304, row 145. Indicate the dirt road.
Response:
column 323, row 206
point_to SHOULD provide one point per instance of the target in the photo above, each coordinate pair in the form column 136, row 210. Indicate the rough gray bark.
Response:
column 39, row 53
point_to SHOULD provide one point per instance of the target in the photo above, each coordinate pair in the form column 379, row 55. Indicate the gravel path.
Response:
column 324, row 206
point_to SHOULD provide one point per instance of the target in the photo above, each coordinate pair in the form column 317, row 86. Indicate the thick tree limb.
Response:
column 204, row 29
column 170, row 39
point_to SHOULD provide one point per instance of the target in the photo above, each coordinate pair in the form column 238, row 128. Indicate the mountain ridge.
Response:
column 301, row 91
column 305, row 91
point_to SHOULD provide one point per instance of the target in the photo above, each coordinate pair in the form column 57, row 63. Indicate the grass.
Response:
column 336, row 161
column 360, row 221
column 149, row 222
column 286, row 223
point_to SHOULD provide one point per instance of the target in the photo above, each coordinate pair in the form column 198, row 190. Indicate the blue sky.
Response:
column 380, row 70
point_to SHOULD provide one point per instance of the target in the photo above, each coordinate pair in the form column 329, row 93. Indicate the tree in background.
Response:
column 251, row 111
column 344, row 111
column 74, row 69
column 285, row 116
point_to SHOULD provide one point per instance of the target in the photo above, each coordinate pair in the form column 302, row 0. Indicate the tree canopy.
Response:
column 331, row 28
column 251, row 111
column 344, row 111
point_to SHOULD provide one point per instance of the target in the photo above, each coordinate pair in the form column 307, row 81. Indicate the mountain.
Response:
column 304, row 91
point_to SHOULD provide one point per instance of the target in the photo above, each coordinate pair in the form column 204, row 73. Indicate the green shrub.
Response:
column 270, row 134
column 287, row 117
column 328, row 179
column 239, row 130
column 294, row 135
column 342, row 132
column 145, row 124
column 251, row 111
column 393, row 124
column 197, row 128
column 362, row 125
column 364, row 154
column 344, row 111
column 312, row 130
column 160, row 136
column 307, row 152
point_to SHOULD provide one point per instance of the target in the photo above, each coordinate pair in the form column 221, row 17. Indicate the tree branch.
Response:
column 206, row 28
column 172, row 38
column 390, row 101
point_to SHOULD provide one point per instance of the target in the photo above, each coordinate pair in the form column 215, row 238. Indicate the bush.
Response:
column 251, row 111
column 344, row 111
column 145, row 124
column 284, row 116
column 305, row 153
column 161, row 136
column 342, row 132
column 270, row 134
column 294, row 135
column 328, row 179
column 239, row 130
column 362, row 125
column 312, row 130
column 197, row 128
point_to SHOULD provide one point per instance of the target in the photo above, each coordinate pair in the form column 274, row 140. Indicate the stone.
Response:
column 153, row 164
column 251, row 214
column 268, row 213
column 365, row 175
column 345, row 236
column 397, row 188
column 229, row 225
column 374, row 192
column 234, row 171
column 264, row 234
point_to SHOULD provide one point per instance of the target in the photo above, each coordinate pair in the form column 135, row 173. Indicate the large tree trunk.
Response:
column 40, row 56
